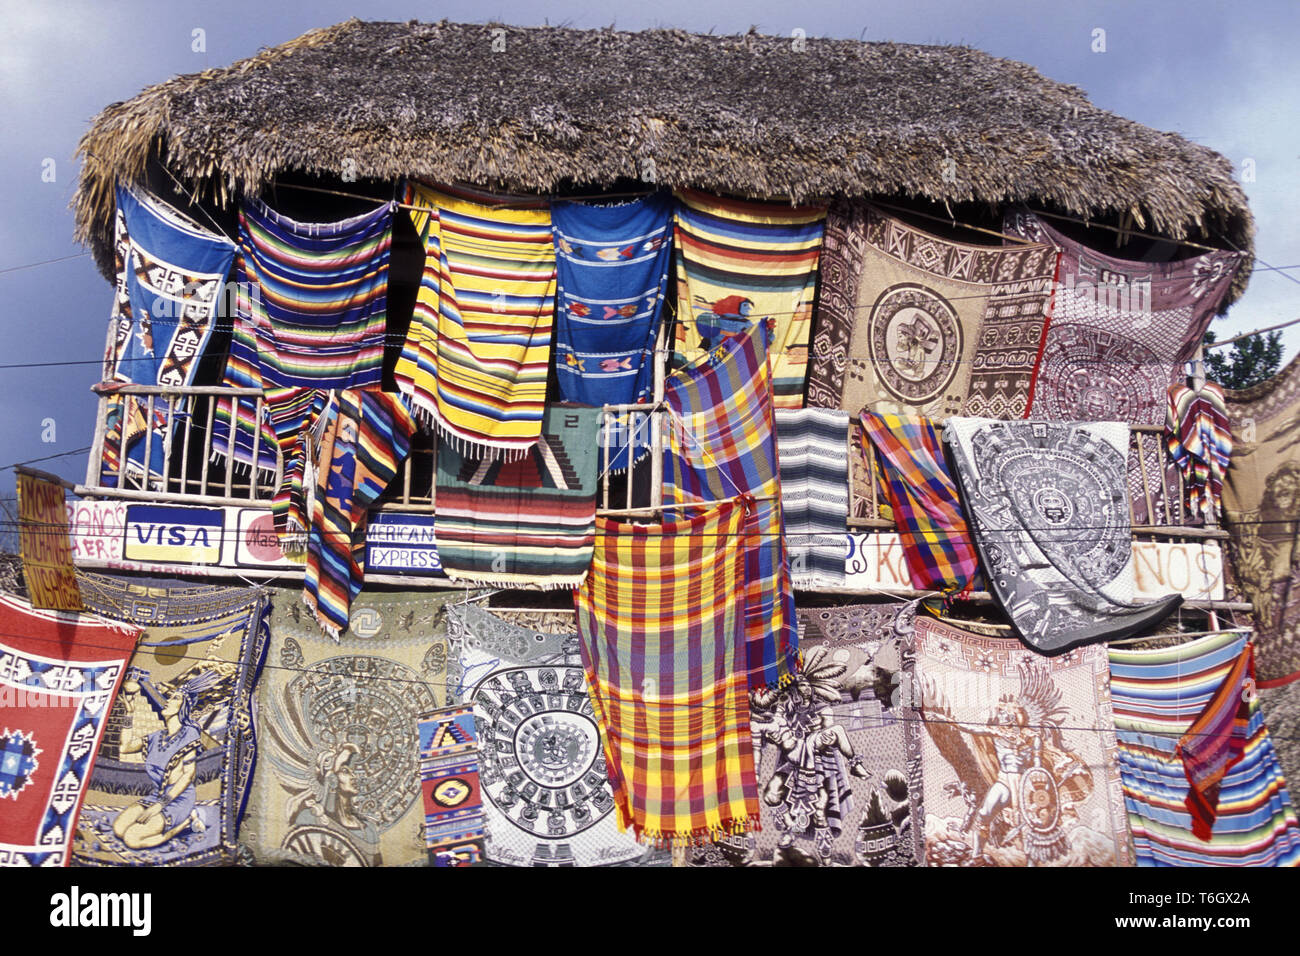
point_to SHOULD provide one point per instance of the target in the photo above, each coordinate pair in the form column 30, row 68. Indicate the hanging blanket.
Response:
column 1261, row 502
column 173, row 770
column 740, row 264
column 1200, row 443
column 1049, row 513
column 546, row 789
column 451, row 787
column 292, row 413
column 612, row 264
column 915, row 324
column 526, row 522
column 663, row 639
column 1158, row 695
column 367, row 434
column 1216, row 741
column 723, row 444
column 1019, row 754
column 59, row 674
column 169, row 280
column 1281, row 706
column 338, row 779
column 923, row 498
column 475, row 358
column 1121, row 331
column 812, row 446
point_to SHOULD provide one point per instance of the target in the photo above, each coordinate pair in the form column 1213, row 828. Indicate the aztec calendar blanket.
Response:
column 914, row 324
column 1158, row 696
column 837, row 752
column 173, row 770
column 812, row 447
column 1047, row 506
column 1018, row 755
column 546, row 792
column 1261, row 502
column 338, row 780
column 59, row 673
column 1121, row 331
column 740, row 264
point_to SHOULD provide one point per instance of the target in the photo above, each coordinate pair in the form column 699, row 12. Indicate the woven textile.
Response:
column 1216, row 740
column 1261, row 502
column 923, row 498
column 1018, row 755
column 292, row 412
column 812, row 446
column 1281, row 706
column 59, row 674
column 914, row 324
column 663, row 640
column 475, row 358
column 612, row 264
column 723, row 443
column 740, row 264
column 367, row 434
column 1049, row 514
column 172, row 775
column 526, row 522
column 338, row 779
column 451, row 787
column 1200, row 443
column 1157, row 695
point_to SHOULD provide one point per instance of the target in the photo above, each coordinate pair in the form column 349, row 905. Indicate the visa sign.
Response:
column 187, row 535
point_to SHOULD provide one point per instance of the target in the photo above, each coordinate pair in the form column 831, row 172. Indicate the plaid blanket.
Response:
column 812, row 446
column 663, row 647
column 1018, row 758
column 931, row 524
column 59, row 675
column 722, row 444
column 612, row 264
column 915, row 324
column 475, row 358
column 526, row 522
column 1200, row 443
column 173, row 770
column 742, row 263
column 1050, row 515
column 1158, row 695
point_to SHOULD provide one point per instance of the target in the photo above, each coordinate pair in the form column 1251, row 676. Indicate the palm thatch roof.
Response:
column 548, row 108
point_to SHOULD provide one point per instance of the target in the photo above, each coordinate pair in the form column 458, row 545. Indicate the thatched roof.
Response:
column 749, row 115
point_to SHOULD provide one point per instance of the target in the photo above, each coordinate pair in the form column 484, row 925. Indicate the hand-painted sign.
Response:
column 256, row 543
column 44, row 542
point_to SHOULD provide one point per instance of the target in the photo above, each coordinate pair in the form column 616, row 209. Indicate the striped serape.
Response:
column 1200, row 443
column 1157, row 696
column 1216, row 741
column 740, row 263
column 476, row 356
column 612, row 264
column 663, row 647
column 812, row 447
column 531, row 521
column 292, row 412
column 931, row 524
column 367, row 434
column 723, row 444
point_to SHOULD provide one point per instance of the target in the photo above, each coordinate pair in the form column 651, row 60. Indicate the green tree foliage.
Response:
column 1246, row 362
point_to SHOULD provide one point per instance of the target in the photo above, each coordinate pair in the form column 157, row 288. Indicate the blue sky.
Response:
column 1221, row 74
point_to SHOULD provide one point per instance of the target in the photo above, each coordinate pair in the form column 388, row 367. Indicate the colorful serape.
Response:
column 449, row 782
column 367, row 434
column 1216, row 741
column 915, row 324
column 546, row 789
column 1049, row 513
column 1261, row 503
column 177, row 758
column 476, row 356
column 923, row 498
column 723, row 444
column 59, row 674
column 338, row 779
column 526, row 522
column 663, row 644
column 812, row 447
column 1018, row 755
column 292, row 413
column 1157, row 696
column 1200, row 443
column 1121, row 331
column 612, row 264
column 741, row 264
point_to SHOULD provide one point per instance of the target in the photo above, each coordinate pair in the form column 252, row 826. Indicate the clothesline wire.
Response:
column 32, row 461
